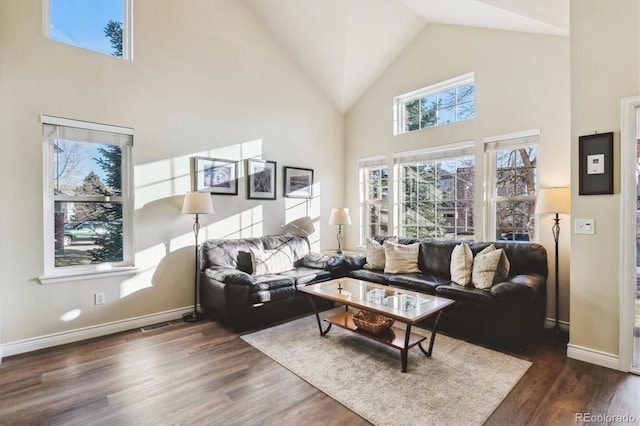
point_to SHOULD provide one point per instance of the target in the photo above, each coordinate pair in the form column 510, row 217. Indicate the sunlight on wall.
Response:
column 170, row 177
column 71, row 315
column 146, row 262
column 162, row 230
column 296, row 208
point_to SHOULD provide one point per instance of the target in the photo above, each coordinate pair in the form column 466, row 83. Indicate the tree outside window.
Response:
column 435, row 105
column 437, row 198
column 88, row 176
column 376, row 181
column 515, row 193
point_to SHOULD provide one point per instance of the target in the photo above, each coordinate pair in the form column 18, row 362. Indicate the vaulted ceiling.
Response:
column 344, row 45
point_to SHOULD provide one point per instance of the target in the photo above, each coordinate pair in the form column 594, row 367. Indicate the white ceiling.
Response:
column 344, row 45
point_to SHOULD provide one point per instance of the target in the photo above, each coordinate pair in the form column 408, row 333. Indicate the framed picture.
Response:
column 215, row 175
column 261, row 179
column 596, row 164
column 298, row 182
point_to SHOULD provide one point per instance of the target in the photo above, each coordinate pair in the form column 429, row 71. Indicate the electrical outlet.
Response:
column 99, row 298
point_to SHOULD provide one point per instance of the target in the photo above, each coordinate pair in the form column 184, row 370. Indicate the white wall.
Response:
column 605, row 68
column 522, row 83
column 206, row 79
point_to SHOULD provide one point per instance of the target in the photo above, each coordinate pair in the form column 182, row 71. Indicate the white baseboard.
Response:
column 593, row 356
column 42, row 342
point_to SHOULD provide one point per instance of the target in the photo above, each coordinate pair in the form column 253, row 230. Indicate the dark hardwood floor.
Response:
column 204, row 374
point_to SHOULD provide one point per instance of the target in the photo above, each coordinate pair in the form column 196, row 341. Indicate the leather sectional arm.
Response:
column 520, row 286
column 229, row 276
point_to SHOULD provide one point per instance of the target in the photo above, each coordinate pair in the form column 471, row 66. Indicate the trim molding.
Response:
column 42, row 342
column 593, row 356
column 628, row 199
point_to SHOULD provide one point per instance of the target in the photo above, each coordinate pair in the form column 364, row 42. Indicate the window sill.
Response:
column 87, row 275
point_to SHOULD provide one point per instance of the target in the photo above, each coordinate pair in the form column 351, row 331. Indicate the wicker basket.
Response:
column 372, row 322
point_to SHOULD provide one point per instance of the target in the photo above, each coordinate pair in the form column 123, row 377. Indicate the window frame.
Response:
column 364, row 166
column 435, row 155
column 399, row 116
column 512, row 141
column 127, row 29
column 53, row 274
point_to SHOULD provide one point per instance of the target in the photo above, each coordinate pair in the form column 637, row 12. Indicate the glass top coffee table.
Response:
column 405, row 306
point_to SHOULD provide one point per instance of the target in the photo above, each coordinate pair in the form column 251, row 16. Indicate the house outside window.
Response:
column 104, row 26
column 374, row 182
column 88, row 197
column 446, row 102
column 436, row 192
column 513, row 178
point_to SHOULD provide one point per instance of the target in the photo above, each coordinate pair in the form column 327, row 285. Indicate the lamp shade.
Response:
column 197, row 203
column 339, row 216
column 554, row 200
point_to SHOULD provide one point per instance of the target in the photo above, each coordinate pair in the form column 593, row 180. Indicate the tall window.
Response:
column 88, row 190
column 436, row 192
column 104, row 26
column 447, row 102
column 374, row 178
column 513, row 186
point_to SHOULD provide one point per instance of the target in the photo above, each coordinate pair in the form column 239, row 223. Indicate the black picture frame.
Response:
column 596, row 164
column 261, row 179
column 298, row 182
column 214, row 175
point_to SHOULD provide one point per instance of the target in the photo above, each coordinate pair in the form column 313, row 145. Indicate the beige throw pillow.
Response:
column 400, row 258
column 375, row 254
column 271, row 261
column 484, row 268
column 461, row 264
column 502, row 270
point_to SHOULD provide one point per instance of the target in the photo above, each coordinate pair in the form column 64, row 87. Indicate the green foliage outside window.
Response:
column 437, row 199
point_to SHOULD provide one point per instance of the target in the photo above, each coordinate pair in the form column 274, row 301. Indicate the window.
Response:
column 447, row 102
column 436, row 192
column 513, row 162
column 103, row 26
column 374, row 179
column 88, row 197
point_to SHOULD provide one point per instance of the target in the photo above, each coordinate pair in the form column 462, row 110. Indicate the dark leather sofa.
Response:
column 230, row 293
column 510, row 315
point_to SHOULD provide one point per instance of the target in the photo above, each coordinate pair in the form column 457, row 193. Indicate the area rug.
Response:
column 461, row 384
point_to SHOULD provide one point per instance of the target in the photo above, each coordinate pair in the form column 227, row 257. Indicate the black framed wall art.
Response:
column 261, row 179
column 298, row 182
column 596, row 164
column 215, row 175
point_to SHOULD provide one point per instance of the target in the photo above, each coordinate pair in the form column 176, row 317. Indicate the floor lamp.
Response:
column 339, row 216
column 555, row 201
column 196, row 203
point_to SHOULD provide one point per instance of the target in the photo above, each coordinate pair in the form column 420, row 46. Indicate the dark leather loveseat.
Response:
column 229, row 291
column 510, row 314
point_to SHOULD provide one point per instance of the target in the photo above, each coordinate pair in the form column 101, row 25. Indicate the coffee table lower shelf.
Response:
column 394, row 336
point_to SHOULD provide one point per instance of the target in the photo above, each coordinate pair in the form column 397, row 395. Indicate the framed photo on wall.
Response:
column 261, row 179
column 298, row 182
column 215, row 175
column 596, row 164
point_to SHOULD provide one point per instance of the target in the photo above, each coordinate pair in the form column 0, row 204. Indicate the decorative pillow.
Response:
column 271, row 261
column 400, row 258
column 375, row 254
column 461, row 264
column 502, row 270
column 484, row 268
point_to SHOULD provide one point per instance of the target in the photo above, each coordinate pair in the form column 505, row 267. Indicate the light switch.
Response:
column 585, row 226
